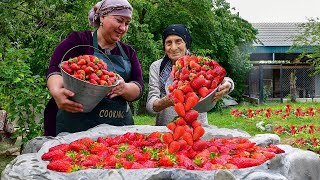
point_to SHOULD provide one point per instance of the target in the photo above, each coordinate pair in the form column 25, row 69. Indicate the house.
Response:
column 275, row 66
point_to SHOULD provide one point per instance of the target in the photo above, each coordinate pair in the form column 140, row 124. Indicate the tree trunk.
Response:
column 293, row 87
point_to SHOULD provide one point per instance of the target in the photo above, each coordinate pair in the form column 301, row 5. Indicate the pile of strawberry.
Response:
column 90, row 69
column 194, row 77
column 136, row 151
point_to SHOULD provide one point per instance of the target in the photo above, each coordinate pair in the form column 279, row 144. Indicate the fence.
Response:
column 278, row 82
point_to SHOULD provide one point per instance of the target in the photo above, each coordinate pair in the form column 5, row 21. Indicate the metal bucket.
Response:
column 87, row 94
column 206, row 104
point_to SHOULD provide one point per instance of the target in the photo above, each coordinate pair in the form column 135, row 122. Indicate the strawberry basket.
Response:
column 90, row 85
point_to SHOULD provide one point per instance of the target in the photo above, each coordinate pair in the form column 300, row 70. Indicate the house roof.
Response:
column 276, row 34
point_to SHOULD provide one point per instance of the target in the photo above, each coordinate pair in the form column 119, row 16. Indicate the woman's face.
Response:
column 114, row 27
column 175, row 47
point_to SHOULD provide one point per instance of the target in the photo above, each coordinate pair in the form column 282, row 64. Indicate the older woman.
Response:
column 111, row 19
column 176, row 43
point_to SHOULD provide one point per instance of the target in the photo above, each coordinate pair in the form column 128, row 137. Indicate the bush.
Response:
column 24, row 94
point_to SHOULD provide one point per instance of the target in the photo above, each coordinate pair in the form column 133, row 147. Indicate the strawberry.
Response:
column 197, row 83
column 203, row 91
column 77, row 147
column 167, row 137
column 196, row 123
column 179, row 108
column 191, row 116
column 188, row 138
column 178, row 96
column 60, row 166
column 178, row 132
column 53, row 155
column 180, row 121
column 97, row 148
column 155, row 134
column 202, row 157
column 174, row 146
column 186, row 88
column 62, row 147
column 199, row 145
column 171, row 126
column 91, row 160
column 183, row 144
column 243, row 162
column 167, row 161
column 214, row 84
column 198, row 132
column 191, row 102
column 185, row 161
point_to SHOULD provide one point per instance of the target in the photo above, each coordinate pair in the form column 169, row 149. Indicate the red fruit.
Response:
column 196, row 123
column 66, row 67
column 243, row 162
column 98, row 148
column 155, row 134
column 188, row 138
column 186, row 88
column 191, row 102
column 166, row 161
column 178, row 96
column 174, row 146
column 81, row 62
column 202, row 157
column 53, row 155
column 94, row 76
column 199, row 145
column 91, row 160
column 180, row 121
column 88, row 70
column 167, row 137
column 62, row 147
column 92, row 81
column 74, row 66
column 60, row 165
column 77, row 147
column 183, row 144
column 198, row 132
column 197, row 83
column 179, row 108
column 178, row 132
column 172, row 126
column 203, row 91
column 213, row 84
column 194, row 65
column 191, row 116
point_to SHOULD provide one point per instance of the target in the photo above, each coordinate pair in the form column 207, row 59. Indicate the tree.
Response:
column 309, row 42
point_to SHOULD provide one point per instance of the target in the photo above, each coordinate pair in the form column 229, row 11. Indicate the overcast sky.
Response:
column 276, row 10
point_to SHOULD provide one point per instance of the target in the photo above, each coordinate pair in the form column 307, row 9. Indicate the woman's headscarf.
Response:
column 109, row 7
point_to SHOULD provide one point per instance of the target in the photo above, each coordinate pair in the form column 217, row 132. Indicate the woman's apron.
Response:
column 115, row 111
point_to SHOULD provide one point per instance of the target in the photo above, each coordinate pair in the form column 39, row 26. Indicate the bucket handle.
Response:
column 84, row 45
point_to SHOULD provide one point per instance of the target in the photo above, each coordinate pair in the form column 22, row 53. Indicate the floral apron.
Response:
column 115, row 111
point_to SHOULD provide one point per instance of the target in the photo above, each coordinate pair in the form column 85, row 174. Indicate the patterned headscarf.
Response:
column 111, row 8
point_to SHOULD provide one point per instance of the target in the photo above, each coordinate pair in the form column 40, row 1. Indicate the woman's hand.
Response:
column 119, row 90
column 61, row 96
column 223, row 89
